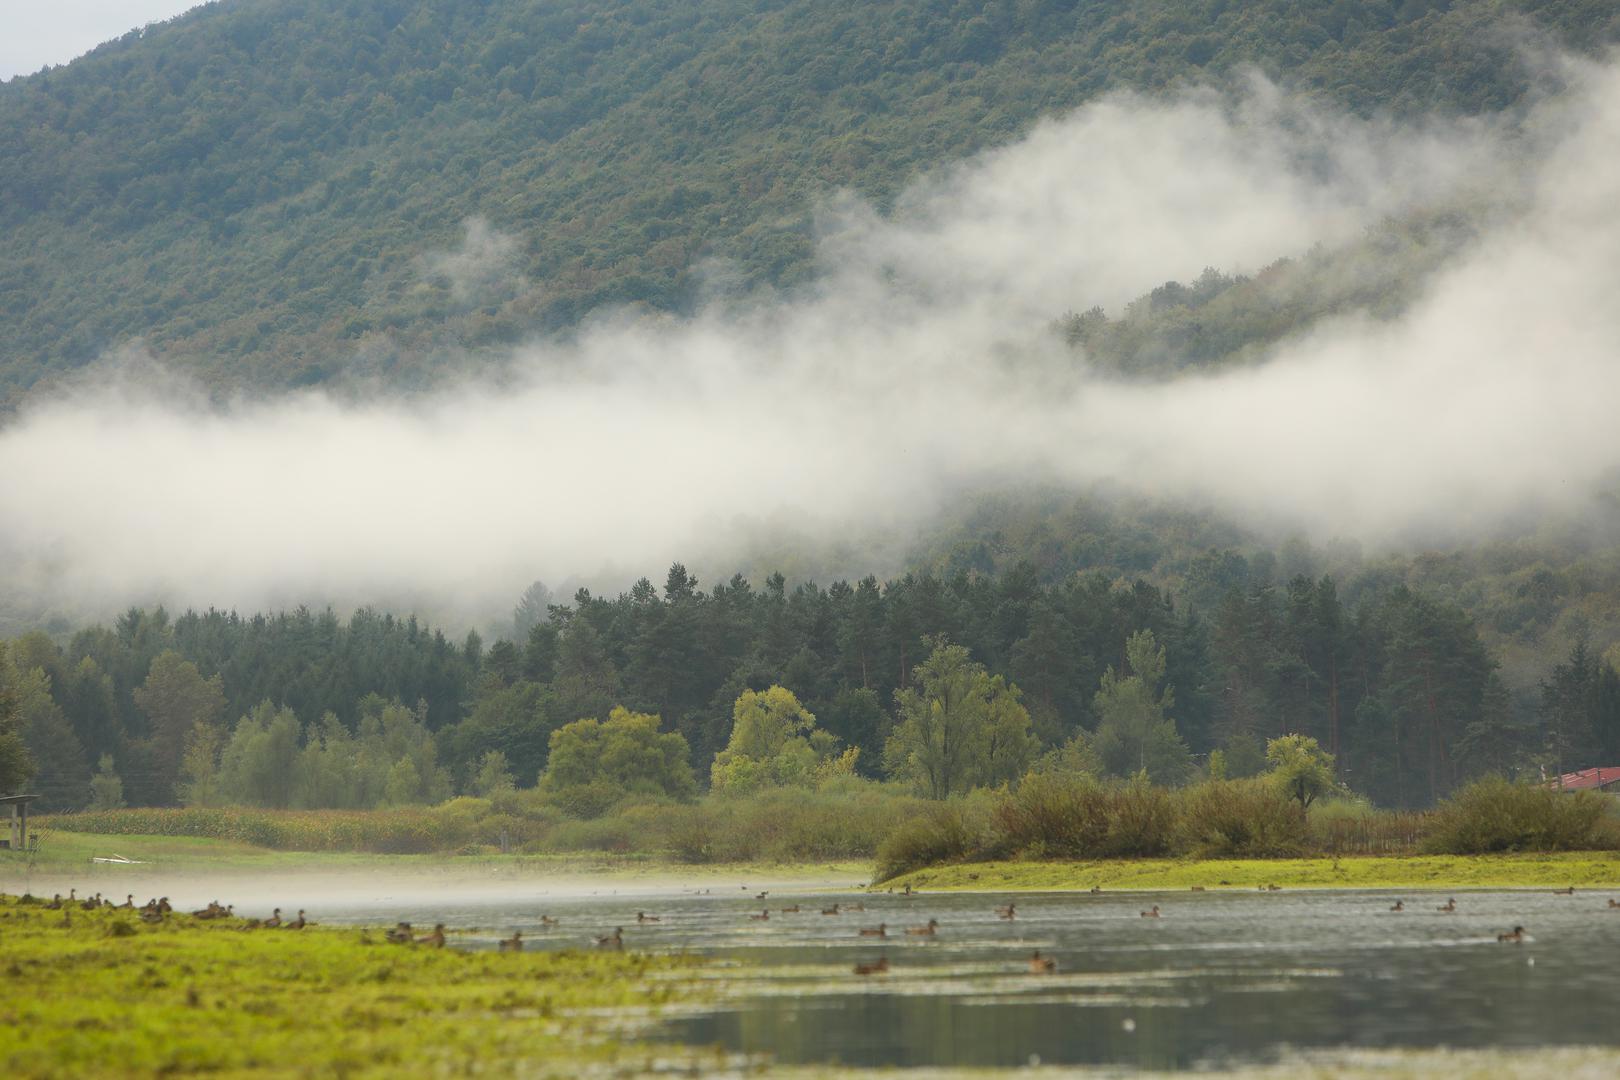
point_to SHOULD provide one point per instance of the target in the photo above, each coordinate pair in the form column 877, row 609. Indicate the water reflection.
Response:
column 1221, row 978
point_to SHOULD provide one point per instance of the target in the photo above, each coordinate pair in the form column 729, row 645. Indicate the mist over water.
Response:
column 922, row 365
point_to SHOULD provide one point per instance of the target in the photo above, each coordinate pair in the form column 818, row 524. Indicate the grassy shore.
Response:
column 100, row 993
column 1590, row 869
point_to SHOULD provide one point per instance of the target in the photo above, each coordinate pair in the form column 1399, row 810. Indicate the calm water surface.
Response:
column 1221, row 979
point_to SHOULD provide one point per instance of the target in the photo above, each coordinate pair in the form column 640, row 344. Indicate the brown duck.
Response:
column 924, row 931
column 880, row 930
column 881, row 966
column 513, row 943
column 1042, row 965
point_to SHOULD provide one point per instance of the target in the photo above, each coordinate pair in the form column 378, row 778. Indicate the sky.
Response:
column 40, row 33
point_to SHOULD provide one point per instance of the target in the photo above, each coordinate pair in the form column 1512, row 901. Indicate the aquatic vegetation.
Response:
column 111, row 995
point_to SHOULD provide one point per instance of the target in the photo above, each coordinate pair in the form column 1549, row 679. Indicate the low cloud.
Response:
column 919, row 367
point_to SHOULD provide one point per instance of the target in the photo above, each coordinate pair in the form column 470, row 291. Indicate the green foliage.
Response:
column 627, row 754
column 958, row 728
column 1300, row 769
column 774, row 742
column 1493, row 814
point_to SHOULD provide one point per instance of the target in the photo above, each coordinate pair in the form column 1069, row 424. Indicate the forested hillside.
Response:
column 257, row 190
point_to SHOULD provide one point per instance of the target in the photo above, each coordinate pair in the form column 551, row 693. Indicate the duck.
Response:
column 1197, row 888
column 56, row 903
column 1565, row 892
column 1399, row 905
column 1042, row 965
column 400, row 934
column 73, row 896
column 547, row 920
column 298, row 923
column 1614, row 903
column 762, row 894
column 1095, row 889
column 794, row 910
column 129, row 902
column 763, row 916
column 908, row 890
column 880, row 930
column 924, row 931
column 834, row 910
column 858, row 906
column 434, row 940
column 91, row 904
column 513, row 943
column 1008, row 912
column 614, row 941
column 1449, row 905
column 1152, row 913
column 273, row 921
column 643, row 917
column 879, row 967
column 1513, row 938
column 163, row 905
column 212, row 911
column 149, row 917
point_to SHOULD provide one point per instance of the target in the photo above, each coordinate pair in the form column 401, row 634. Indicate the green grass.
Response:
column 195, row 996
column 1360, row 872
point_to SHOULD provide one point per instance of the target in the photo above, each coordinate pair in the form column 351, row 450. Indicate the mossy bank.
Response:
column 102, row 993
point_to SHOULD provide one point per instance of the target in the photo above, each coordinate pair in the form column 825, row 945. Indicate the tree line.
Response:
column 304, row 708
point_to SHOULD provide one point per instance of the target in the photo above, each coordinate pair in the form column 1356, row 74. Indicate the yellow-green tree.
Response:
column 593, row 763
column 775, row 741
column 1300, row 768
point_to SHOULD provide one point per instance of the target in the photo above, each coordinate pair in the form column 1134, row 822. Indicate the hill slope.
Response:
column 255, row 190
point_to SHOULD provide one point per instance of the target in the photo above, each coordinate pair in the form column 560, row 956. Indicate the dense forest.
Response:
column 254, row 190
column 1397, row 686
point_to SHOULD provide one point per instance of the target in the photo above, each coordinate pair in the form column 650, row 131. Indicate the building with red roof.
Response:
column 1606, row 778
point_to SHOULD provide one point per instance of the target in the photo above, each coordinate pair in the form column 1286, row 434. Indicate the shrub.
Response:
column 1495, row 815
column 1054, row 815
column 1239, row 819
column 945, row 832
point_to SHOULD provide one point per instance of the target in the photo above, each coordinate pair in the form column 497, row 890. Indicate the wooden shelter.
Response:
column 18, row 807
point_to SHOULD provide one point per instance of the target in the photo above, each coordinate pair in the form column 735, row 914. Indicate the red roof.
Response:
column 1589, row 778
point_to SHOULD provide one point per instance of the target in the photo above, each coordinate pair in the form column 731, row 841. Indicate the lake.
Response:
column 1220, row 979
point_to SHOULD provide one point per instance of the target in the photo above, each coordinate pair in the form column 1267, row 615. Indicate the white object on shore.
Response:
column 120, row 859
